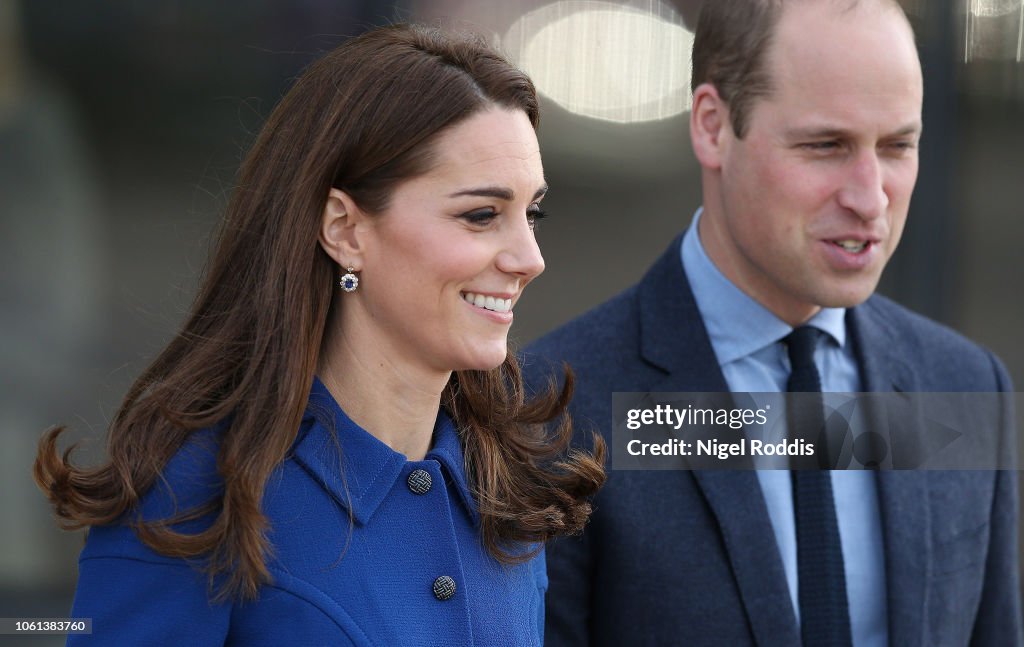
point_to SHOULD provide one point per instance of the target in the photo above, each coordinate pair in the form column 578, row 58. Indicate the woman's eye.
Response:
column 480, row 217
column 535, row 215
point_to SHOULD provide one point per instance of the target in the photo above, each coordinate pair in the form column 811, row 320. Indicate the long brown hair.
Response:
column 362, row 119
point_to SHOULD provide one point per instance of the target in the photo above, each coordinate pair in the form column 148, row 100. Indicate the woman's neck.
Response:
column 387, row 399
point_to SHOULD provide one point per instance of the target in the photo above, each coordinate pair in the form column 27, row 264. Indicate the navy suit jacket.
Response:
column 689, row 557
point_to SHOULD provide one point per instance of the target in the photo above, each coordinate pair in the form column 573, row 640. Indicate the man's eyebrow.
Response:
column 824, row 132
column 909, row 129
column 500, row 192
column 828, row 132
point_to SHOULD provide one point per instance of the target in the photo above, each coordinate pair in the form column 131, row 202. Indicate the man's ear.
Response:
column 341, row 232
column 709, row 119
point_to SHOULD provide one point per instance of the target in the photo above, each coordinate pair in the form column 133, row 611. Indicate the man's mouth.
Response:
column 852, row 246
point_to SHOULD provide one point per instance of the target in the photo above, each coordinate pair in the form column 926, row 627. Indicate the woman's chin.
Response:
column 486, row 359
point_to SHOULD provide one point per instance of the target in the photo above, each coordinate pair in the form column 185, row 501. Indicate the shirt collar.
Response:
column 355, row 467
column 738, row 325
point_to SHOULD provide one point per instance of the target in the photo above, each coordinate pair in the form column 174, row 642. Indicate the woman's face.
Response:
column 446, row 262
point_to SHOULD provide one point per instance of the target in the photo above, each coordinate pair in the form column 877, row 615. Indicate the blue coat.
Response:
column 356, row 554
column 689, row 557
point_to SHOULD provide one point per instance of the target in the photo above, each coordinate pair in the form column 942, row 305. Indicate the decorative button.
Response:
column 419, row 481
column 444, row 588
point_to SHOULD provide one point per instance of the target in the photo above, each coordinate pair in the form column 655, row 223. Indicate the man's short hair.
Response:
column 730, row 50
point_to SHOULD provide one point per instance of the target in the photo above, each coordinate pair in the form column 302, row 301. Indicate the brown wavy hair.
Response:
column 363, row 119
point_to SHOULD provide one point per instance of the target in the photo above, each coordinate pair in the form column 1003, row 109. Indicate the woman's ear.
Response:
column 709, row 117
column 340, row 230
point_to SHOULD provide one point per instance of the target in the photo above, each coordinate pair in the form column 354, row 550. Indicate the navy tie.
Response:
column 824, row 612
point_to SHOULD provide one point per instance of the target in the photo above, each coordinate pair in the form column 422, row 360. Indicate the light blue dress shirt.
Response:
column 746, row 338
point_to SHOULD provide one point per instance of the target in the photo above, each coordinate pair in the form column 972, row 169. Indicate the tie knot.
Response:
column 801, row 344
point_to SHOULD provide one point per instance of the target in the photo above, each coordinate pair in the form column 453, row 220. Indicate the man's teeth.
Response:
column 488, row 303
column 853, row 246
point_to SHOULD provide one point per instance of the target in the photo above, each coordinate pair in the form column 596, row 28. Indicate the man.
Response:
column 806, row 119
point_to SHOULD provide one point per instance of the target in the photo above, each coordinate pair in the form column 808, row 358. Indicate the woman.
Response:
column 336, row 448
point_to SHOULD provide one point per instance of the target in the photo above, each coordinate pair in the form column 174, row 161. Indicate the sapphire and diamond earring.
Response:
column 349, row 281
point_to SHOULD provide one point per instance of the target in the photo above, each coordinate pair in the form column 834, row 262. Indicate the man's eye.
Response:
column 822, row 146
column 903, row 145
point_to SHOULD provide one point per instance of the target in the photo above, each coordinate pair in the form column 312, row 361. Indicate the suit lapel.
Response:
column 674, row 339
column 736, row 501
column 875, row 347
column 672, row 333
column 903, row 494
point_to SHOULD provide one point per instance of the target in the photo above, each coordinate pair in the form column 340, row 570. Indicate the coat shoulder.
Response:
column 591, row 340
column 951, row 361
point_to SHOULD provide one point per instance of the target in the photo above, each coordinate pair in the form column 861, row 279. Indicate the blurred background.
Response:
column 122, row 125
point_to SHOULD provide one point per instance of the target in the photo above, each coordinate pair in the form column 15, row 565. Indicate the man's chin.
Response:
column 847, row 296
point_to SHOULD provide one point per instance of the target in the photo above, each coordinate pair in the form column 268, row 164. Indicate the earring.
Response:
column 349, row 282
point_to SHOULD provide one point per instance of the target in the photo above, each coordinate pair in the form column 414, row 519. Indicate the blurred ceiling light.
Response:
column 621, row 63
column 994, row 29
column 993, row 8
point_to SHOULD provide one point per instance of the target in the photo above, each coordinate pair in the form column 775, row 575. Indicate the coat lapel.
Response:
column 672, row 333
column 736, row 501
column 674, row 339
column 903, row 494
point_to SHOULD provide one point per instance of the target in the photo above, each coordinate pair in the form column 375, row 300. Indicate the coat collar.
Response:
column 672, row 333
column 356, row 468
column 875, row 345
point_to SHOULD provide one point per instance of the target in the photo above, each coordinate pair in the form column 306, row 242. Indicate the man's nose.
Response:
column 864, row 190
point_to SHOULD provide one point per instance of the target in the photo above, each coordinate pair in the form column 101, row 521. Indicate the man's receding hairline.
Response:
column 849, row 7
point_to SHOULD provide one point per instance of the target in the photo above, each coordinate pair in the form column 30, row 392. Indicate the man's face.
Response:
column 811, row 203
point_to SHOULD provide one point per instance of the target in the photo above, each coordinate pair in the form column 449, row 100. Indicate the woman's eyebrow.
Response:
column 502, row 193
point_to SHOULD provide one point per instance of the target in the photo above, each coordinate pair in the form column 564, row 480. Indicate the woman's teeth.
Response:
column 488, row 303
